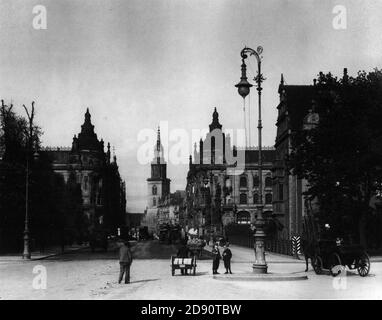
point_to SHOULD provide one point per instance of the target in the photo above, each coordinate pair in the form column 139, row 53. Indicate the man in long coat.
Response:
column 125, row 261
column 215, row 259
column 227, row 255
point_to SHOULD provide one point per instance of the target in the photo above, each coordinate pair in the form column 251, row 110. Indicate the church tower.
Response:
column 158, row 184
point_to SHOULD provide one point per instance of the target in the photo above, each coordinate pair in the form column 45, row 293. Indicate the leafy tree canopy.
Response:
column 341, row 158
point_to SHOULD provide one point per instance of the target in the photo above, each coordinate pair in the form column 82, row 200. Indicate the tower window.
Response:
column 268, row 182
column 268, row 198
column 154, row 190
column 154, row 202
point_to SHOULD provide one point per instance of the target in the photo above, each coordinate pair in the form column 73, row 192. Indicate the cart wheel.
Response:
column 363, row 265
column 335, row 261
column 317, row 264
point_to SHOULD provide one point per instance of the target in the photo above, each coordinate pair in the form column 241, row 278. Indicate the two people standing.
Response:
column 125, row 261
column 227, row 255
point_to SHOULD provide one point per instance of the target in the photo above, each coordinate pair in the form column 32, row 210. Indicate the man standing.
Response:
column 125, row 260
column 215, row 259
column 227, row 255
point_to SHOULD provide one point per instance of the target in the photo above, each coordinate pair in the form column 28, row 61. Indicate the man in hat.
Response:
column 227, row 255
column 215, row 259
column 125, row 261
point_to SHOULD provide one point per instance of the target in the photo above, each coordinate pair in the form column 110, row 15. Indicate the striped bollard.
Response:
column 296, row 246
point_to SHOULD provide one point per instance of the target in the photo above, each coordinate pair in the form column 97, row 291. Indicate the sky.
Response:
column 140, row 63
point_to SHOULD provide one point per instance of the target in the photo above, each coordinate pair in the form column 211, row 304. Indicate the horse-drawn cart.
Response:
column 183, row 264
column 332, row 254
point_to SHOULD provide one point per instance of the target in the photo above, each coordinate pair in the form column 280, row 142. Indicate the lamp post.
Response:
column 207, row 181
column 26, row 252
column 260, row 265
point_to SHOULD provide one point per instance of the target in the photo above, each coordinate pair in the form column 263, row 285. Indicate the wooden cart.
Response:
column 183, row 263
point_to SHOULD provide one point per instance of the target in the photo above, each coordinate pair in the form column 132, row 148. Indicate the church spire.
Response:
column 87, row 138
column 215, row 121
column 158, row 139
column 158, row 150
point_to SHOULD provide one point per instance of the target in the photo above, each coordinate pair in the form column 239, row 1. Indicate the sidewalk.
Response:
column 243, row 254
column 37, row 255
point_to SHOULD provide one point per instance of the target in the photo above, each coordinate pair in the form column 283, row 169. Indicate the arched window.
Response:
column 268, row 198
column 243, row 217
column 154, row 202
column 255, row 198
column 256, row 181
column 154, row 190
column 268, row 182
column 243, row 182
column 243, row 198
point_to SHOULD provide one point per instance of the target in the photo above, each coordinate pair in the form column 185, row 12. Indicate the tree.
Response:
column 341, row 158
column 16, row 135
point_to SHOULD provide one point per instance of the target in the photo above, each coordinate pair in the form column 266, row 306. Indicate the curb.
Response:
column 58, row 254
column 261, row 277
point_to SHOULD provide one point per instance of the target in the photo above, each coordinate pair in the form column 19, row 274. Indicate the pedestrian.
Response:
column 227, row 255
column 183, row 252
column 215, row 259
column 125, row 261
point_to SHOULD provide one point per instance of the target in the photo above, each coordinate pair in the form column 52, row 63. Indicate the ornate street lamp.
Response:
column 260, row 265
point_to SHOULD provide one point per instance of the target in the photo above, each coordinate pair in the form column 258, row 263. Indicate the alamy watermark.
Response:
column 39, row 281
column 175, row 146
column 339, row 21
column 39, row 21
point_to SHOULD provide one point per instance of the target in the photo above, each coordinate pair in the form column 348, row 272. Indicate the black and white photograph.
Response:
column 191, row 150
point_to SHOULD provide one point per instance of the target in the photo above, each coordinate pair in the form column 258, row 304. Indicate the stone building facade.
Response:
column 223, row 182
column 86, row 162
column 289, row 203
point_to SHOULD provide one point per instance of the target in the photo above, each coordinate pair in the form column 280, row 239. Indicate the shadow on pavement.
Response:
column 147, row 280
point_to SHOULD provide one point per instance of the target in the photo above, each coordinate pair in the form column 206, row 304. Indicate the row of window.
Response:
column 244, row 198
column 256, row 182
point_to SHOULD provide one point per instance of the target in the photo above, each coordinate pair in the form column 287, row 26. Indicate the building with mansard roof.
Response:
column 87, row 164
